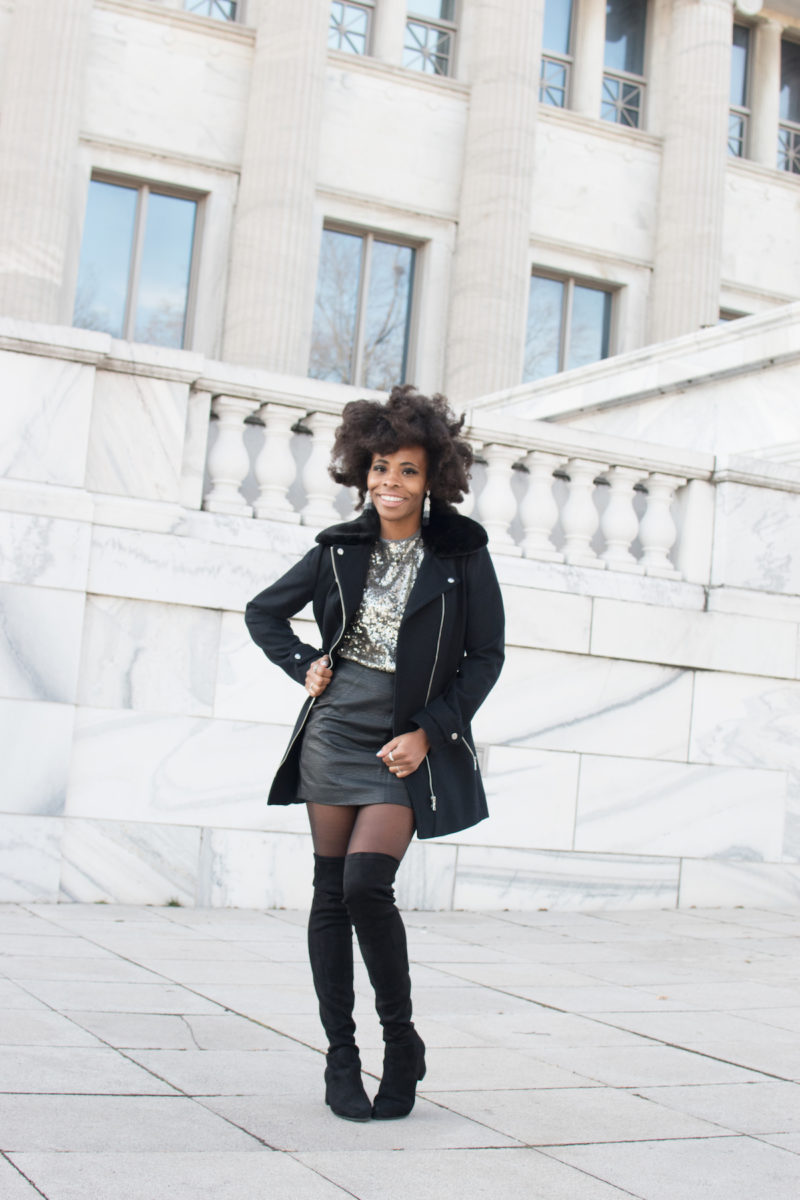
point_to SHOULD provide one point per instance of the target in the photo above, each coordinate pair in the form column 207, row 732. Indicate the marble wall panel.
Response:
column 35, row 747
column 40, row 642
column 427, row 876
column 178, row 770
column 636, row 806
column 755, row 531
column 136, row 436
column 128, row 862
column 531, row 795
column 44, row 419
column 44, row 550
column 714, row 641
column 249, row 869
column 148, row 656
column 538, row 879
column 743, row 720
column 193, row 570
column 550, row 620
column 707, row 884
column 30, row 858
column 249, row 687
column 582, row 703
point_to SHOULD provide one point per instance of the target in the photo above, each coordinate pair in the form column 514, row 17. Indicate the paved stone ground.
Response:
column 175, row 1054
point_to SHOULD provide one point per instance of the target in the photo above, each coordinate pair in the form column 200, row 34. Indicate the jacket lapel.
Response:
column 433, row 578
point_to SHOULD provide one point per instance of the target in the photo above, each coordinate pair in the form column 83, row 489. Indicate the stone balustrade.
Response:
column 542, row 492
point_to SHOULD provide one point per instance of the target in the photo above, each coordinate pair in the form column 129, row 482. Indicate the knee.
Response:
column 367, row 884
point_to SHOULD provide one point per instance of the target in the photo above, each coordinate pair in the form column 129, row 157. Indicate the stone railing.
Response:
column 542, row 491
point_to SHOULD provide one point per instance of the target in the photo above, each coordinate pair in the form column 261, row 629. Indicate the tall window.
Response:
column 789, row 128
column 569, row 325
column 740, row 72
column 430, row 36
column 350, row 27
column 623, row 78
column 362, row 310
column 136, row 261
column 556, row 53
column 221, row 10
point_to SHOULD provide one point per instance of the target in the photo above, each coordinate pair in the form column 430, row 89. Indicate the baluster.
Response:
column 619, row 523
column 228, row 461
column 275, row 467
column 579, row 516
column 497, row 505
column 320, row 509
column 539, row 510
column 657, row 530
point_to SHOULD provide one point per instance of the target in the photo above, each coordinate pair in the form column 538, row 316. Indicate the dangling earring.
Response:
column 426, row 509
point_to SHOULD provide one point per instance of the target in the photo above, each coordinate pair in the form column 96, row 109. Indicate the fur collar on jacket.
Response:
column 448, row 533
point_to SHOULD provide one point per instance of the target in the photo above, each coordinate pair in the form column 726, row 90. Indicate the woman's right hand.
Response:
column 318, row 676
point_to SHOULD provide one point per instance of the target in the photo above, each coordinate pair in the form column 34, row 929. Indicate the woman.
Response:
column 411, row 627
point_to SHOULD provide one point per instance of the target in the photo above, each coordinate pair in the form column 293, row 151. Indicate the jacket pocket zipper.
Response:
column 430, row 781
column 472, row 754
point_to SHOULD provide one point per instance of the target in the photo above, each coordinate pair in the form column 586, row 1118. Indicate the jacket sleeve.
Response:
column 267, row 616
column 447, row 716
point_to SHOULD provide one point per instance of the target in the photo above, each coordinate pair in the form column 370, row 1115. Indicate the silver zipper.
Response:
column 428, row 696
column 473, row 755
column 330, row 658
column 436, row 656
column 430, row 781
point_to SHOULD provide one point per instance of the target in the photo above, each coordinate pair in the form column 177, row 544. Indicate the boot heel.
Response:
column 403, row 1067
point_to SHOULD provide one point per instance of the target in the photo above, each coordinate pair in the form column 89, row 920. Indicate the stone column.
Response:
column 41, row 96
column 273, row 248
column 491, row 267
column 688, row 249
column 388, row 31
column 765, row 101
column 589, row 52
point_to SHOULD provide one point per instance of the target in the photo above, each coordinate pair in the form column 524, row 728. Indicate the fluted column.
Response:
column 491, row 268
column 41, row 96
column 688, row 251
column 765, row 104
column 590, row 44
column 388, row 30
column 271, row 289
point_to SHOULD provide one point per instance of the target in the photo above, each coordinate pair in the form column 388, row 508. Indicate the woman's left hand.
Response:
column 402, row 755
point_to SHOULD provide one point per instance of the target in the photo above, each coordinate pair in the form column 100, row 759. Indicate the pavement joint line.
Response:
column 19, row 1170
column 646, row 1036
column 592, row 1175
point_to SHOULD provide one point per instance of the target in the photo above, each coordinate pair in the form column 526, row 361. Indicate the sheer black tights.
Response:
column 338, row 830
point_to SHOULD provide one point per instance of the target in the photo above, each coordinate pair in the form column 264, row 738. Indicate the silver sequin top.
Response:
column 371, row 637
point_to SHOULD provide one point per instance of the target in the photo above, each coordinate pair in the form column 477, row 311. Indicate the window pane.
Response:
column 387, row 313
column 553, row 83
column 625, row 21
column 105, row 258
column 222, row 10
column 426, row 49
column 557, row 19
column 790, row 81
column 165, row 268
column 739, row 53
column 348, row 28
column 336, row 307
column 543, row 336
column 435, row 10
column 589, row 326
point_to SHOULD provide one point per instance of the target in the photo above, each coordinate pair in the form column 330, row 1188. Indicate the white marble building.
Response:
column 218, row 225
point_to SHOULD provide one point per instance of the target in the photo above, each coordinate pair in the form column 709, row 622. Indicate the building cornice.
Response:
column 594, row 127
column 364, row 64
column 219, row 30
column 158, row 152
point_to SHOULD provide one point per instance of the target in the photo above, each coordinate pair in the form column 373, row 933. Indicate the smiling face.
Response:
column 396, row 484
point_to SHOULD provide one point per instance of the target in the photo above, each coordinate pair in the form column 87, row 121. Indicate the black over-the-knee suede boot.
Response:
column 368, row 894
column 330, row 952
